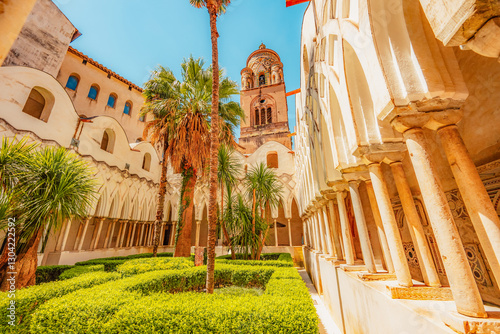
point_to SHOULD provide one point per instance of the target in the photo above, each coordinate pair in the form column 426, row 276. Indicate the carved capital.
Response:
column 431, row 120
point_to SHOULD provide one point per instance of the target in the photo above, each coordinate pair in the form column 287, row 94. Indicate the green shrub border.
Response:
column 139, row 304
column 45, row 274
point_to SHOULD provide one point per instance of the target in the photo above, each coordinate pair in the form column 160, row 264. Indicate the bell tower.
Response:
column 263, row 98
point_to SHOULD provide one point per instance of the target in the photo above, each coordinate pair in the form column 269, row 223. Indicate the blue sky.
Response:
column 133, row 37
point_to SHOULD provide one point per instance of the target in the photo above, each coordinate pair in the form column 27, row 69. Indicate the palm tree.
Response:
column 53, row 186
column 188, row 125
column 161, row 103
column 264, row 189
column 227, row 172
column 215, row 7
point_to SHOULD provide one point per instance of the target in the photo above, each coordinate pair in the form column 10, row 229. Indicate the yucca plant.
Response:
column 264, row 189
column 53, row 185
column 240, row 224
column 227, row 174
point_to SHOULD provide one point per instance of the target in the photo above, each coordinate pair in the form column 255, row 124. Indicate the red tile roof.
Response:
column 103, row 68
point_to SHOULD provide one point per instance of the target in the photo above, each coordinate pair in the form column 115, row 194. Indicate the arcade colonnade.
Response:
column 397, row 166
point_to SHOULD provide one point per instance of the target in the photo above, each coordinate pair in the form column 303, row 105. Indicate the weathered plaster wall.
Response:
column 43, row 40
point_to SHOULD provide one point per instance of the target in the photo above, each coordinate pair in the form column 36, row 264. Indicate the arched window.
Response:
column 73, row 81
column 272, row 160
column 142, row 118
column 138, row 140
column 146, row 162
column 262, row 80
column 128, row 108
column 35, row 104
column 108, row 140
column 257, row 117
column 39, row 104
column 93, row 92
column 262, row 116
column 269, row 116
column 112, row 100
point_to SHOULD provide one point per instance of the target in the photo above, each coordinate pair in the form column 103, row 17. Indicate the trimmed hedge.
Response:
column 28, row 299
column 263, row 257
column 121, row 307
column 122, row 258
column 80, row 270
column 45, row 274
column 255, row 263
column 88, row 310
column 134, row 267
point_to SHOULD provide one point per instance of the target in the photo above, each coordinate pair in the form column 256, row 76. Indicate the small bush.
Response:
column 256, row 263
column 80, row 270
column 133, row 267
column 28, row 299
column 285, row 257
column 45, row 274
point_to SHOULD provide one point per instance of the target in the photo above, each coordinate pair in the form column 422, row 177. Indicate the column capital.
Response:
column 357, row 176
column 387, row 152
column 431, row 120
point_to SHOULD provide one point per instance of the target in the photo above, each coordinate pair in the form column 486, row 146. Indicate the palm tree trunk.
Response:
column 26, row 263
column 160, row 202
column 183, row 245
column 263, row 240
column 253, row 212
column 214, row 148
column 223, row 225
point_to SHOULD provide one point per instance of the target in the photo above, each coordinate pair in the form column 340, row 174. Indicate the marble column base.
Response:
column 377, row 277
column 420, row 293
column 463, row 324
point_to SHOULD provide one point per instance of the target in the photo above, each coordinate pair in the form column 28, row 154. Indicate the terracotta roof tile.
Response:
column 103, row 68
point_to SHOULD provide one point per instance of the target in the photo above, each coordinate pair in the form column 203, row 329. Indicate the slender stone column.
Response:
column 289, row 233
column 60, row 236
column 364, row 238
column 84, row 233
column 172, row 237
column 98, row 234
column 335, row 231
column 417, row 233
column 124, row 232
column 109, row 238
column 477, row 201
column 320, row 233
column 129, row 234
column 308, row 233
column 108, row 231
column 119, row 235
column 390, row 226
column 131, row 243
column 462, row 284
column 346, row 232
column 66, row 234
column 380, row 228
column 328, row 234
column 304, row 233
column 198, row 225
column 275, row 233
column 78, row 235
column 316, row 245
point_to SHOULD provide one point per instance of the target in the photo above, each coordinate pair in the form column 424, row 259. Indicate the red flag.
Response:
column 294, row 2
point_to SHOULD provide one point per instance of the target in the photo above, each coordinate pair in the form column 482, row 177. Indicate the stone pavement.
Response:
column 326, row 324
